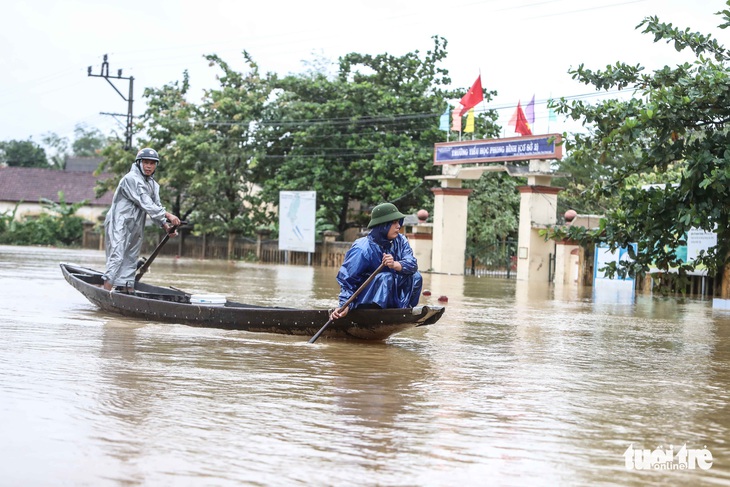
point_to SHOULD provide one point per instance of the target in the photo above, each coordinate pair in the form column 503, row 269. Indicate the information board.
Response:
column 297, row 211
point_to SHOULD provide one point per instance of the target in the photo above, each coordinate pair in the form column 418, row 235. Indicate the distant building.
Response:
column 26, row 186
column 86, row 164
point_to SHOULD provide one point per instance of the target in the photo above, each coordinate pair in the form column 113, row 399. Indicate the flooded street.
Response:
column 516, row 385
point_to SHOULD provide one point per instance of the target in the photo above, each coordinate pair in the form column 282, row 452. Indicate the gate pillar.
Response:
column 450, row 210
column 538, row 211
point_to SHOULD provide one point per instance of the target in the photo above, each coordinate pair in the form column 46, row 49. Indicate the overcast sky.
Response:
column 521, row 47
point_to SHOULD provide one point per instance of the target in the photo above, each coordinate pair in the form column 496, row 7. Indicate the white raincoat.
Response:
column 135, row 197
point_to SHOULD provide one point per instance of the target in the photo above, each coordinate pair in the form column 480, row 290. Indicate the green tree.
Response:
column 494, row 207
column 116, row 161
column 170, row 129
column 223, row 152
column 207, row 151
column 168, row 122
column 23, row 153
column 673, row 132
column 59, row 146
column 88, row 142
column 365, row 135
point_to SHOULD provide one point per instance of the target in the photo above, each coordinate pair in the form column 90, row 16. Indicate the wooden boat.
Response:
column 173, row 305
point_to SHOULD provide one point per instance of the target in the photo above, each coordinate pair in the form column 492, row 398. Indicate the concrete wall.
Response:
column 90, row 213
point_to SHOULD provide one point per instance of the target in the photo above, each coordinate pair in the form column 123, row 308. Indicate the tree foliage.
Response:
column 169, row 129
column 672, row 132
column 494, row 207
column 23, row 153
column 58, row 226
column 492, row 220
column 88, row 141
column 227, row 150
column 364, row 135
column 207, row 150
column 59, row 147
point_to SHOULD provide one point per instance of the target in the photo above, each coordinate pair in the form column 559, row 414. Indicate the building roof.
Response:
column 30, row 185
column 89, row 164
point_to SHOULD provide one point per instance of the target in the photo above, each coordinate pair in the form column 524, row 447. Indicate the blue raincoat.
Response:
column 389, row 289
column 136, row 196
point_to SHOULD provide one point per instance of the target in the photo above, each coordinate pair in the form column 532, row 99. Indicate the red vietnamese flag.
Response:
column 473, row 97
column 522, row 127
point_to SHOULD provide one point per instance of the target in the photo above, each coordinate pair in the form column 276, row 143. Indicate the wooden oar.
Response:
column 347, row 303
column 148, row 262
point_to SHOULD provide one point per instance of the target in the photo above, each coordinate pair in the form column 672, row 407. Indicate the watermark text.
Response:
column 666, row 459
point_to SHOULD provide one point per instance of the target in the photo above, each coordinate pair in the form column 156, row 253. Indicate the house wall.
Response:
column 87, row 212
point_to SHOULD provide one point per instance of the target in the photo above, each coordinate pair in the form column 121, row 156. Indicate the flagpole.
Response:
column 549, row 98
column 475, row 114
column 471, row 99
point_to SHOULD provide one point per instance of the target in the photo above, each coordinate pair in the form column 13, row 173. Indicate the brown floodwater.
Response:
column 516, row 385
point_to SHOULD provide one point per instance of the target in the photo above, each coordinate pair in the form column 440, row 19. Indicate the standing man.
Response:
column 136, row 196
column 399, row 284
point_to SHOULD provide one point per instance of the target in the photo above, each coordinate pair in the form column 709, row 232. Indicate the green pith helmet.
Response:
column 383, row 213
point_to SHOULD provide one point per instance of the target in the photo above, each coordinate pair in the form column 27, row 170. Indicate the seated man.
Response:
column 399, row 284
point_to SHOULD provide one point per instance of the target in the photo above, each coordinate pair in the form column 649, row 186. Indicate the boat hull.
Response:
column 171, row 305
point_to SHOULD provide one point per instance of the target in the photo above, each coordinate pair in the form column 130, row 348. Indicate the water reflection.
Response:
column 294, row 286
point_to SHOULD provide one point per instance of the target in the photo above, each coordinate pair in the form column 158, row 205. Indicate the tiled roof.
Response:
column 89, row 164
column 30, row 184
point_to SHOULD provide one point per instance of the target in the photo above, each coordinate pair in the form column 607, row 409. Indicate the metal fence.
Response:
column 497, row 259
column 330, row 254
column 494, row 259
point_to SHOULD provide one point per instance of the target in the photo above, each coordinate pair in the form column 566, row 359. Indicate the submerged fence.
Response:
column 497, row 259
column 494, row 259
column 327, row 253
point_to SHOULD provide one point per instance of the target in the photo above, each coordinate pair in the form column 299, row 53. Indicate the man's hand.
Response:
column 339, row 313
column 175, row 221
column 170, row 229
column 172, row 223
column 389, row 261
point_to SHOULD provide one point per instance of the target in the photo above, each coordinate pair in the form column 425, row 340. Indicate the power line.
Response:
column 385, row 119
column 129, row 99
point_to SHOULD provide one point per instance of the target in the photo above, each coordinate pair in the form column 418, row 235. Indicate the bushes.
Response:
column 61, row 227
column 44, row 230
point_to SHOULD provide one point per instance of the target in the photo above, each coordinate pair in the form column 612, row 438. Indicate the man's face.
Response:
column 394, row 230
column 148, row 166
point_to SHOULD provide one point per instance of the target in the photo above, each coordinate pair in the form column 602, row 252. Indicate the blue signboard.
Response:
column 499, row 150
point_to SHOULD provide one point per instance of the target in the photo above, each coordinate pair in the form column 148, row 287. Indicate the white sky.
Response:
column 521, row 47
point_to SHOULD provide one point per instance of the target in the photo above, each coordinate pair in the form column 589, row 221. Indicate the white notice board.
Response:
column 616, row 290
column 603, row 256
column 297, row 210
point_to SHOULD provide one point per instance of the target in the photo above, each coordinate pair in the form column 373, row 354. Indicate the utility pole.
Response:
column 129, row 99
